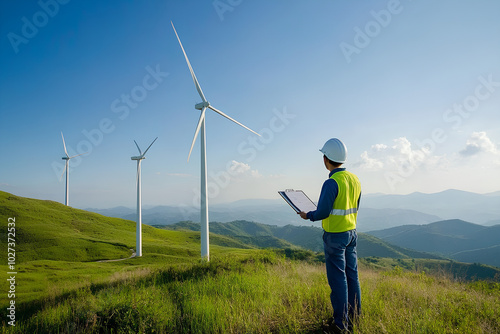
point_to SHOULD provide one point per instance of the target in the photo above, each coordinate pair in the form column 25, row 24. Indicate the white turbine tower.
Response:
column 66, row 170
column 138, row 238
column 201, row 125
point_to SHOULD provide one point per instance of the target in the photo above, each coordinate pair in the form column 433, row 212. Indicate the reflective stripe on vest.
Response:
column 338, row 212
column 345, row 207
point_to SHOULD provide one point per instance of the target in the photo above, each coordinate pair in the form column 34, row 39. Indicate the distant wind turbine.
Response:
column 138, row 238
column 201, row 125
column 66, row 169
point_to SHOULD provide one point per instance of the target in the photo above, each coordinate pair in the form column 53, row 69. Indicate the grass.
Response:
column 401, row 301
column 57, row 248
column 261, row 293
column 61, row 289
column 231, row 294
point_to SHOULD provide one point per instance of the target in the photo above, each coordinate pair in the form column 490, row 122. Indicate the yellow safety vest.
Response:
column 345, row 207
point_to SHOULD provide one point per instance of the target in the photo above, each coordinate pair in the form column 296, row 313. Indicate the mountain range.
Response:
column 455, row 239
column 481, row 209
column 377, row 211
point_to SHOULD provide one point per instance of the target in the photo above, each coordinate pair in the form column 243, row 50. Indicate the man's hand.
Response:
column 302, row 214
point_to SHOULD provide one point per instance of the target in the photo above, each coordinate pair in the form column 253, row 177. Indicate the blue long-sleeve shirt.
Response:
column 329, row 192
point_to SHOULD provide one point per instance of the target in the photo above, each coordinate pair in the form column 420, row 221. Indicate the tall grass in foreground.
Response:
column 255, row 294
column 400, row 301
column 265, row 293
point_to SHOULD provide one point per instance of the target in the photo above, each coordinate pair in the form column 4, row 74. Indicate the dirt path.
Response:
column 133, row 255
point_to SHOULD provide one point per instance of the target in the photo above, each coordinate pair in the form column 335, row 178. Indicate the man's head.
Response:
column 329, row 164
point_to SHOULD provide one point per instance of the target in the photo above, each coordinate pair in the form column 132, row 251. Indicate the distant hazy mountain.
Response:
column 117, row 212
column 449, row 204
column 377, row 211
column 456, row 239
column 492, row 222
column 378, row 219
column 271, row 212
column 274, row 212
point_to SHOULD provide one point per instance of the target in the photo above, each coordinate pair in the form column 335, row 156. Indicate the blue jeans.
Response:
column 342, row 273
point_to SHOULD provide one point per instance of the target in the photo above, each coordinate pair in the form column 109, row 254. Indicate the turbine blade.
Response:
column 65, row 151
column 202, row 117
column 138, row 147
column 198, row 88
column 222, row 114
column 77, row 155
column 149, row 146
column 64, row 171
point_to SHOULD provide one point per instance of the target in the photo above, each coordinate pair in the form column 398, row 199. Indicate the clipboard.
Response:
column 298, row 200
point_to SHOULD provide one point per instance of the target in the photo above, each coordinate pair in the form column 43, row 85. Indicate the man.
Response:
column 337, row 208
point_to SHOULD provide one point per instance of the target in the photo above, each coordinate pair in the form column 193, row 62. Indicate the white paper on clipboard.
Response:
column 298, row 200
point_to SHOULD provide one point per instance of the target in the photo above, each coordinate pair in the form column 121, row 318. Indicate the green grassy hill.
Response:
column 262, row 293
column 57, row 247
column 369, row 245
column 489, row 255
column 48, row 230
column 51, row 231
column 60, row 288
column 248, row 233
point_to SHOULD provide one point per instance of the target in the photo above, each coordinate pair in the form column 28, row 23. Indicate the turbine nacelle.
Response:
column 201, row 105
column 142, row 155
column 67, row 157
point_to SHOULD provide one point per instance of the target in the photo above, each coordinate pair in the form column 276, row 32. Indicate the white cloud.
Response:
column 379, row 147
column 477, row 143
column 401, row 153
column 256, row 174
column 242, row 169
column 238, row 167
column 403, row 167
column 369, row 163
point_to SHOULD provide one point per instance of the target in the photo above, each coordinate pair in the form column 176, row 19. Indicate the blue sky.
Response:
column 411, row 87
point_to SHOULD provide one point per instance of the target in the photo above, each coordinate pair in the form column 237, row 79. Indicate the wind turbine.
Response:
column 138, row 238
column 201, row 126
column 66, row 169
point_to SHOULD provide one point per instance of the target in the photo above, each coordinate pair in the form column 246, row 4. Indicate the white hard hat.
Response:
column 335, row 150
